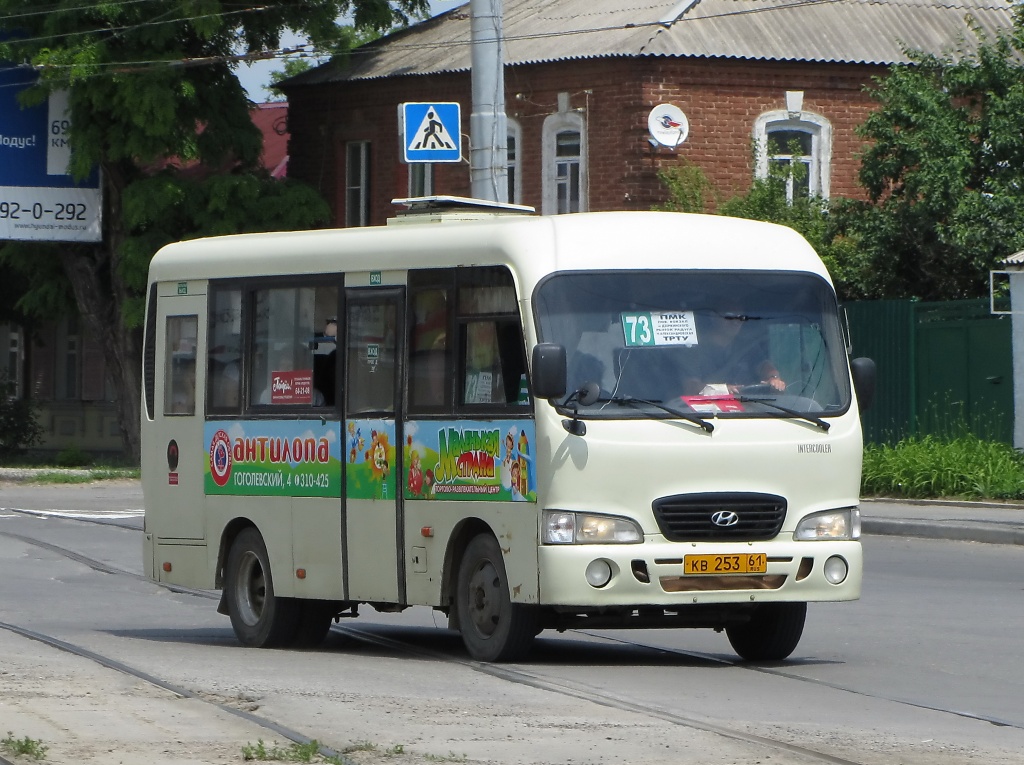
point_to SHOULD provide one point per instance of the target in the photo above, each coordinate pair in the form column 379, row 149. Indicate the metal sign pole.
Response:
column 488, row 131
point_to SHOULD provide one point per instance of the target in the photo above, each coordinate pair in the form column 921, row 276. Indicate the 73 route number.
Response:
column 714, row 565
column 60, row 211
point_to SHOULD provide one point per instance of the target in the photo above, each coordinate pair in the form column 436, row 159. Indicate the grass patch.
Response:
column 26, row 747
column 84, row 476
column 964, row 467
column 295, row 752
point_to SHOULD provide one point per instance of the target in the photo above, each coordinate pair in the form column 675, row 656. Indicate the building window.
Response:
column 357, row 183
column 11, row 365
column 797, row 147
column 565, row 163
column 68, row 346
column 515, row 192
column 421, row 179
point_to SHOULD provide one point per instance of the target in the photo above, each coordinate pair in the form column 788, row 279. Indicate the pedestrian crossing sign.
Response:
column 431, row 132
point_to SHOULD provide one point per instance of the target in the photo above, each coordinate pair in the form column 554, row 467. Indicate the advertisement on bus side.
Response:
column 473, row 460
column 282, row 458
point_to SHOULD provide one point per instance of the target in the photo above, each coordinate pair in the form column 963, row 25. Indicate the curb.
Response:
column 986, row 533
column 980, row 504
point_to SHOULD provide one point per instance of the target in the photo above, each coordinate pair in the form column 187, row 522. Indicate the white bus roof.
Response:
column 534, row 246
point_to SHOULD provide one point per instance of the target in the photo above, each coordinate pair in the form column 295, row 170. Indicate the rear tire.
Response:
column 771, row 634
column 259, row 618
column 492, row 626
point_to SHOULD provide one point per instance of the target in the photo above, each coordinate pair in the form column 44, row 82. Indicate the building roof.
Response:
column 536, row 31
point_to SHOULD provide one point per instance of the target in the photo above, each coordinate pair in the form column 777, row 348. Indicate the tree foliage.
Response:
column 152, row 82
column 944, row 174
column 690, row 190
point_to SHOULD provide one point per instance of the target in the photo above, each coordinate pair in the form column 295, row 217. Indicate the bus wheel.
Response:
column 772, row 632
column 260, row 618
column 492, row 626
column 315, row 617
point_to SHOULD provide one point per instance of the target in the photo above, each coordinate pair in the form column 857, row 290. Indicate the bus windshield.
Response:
column 719, row 343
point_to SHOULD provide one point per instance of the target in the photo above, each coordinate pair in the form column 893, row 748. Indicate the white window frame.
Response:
column 358, row 186
column 820, row 130
column 554, row 124
column 514, row 164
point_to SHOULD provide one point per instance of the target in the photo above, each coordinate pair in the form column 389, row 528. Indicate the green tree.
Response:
column 149, row 81
column 944, row 174
column 690, row 190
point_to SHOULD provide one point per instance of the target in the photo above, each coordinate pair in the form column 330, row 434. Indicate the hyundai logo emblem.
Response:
column 725, row 518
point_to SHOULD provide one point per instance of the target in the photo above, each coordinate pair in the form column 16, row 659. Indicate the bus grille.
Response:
column 737, row 517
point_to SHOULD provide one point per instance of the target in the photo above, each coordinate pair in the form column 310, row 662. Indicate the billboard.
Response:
column 39, row 201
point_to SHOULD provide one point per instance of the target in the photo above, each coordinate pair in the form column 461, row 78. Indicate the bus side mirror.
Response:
column 864, row 374
column 549, row 370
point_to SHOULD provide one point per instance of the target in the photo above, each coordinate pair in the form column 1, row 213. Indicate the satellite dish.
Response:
column 668, row 125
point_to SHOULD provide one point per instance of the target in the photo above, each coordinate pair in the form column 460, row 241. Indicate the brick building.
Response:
column 582, row 77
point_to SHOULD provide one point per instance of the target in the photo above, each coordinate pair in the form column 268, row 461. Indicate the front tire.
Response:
column 315, row 617
column 259, row 618
column 492, row 626
column 771, row 634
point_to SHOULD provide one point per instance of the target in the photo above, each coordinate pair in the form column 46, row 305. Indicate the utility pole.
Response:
column 488, row 130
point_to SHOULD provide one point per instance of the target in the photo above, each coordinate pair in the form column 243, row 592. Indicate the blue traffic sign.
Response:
column 431, row 132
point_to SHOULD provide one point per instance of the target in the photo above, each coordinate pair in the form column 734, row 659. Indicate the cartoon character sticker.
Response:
column 370, row 473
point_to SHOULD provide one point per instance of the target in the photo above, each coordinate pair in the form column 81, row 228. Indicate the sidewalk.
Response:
column 991, row 522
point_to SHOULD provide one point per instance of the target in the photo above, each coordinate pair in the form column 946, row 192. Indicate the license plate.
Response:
column 715, row 565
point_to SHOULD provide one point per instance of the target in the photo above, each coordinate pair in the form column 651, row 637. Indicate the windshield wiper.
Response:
column 696, row 419
column 785, row 410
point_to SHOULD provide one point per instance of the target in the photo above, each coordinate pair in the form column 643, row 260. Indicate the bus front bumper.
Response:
column 666, row 573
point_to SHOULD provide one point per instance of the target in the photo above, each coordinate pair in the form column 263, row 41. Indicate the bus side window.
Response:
column 180, row 365
column 225, row 356
column 428, row 348
column 282, row 361
column 493, row 361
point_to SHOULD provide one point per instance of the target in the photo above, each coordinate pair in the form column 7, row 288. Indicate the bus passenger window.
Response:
column 491, row 348
column 484, row 381
column 371, row 357
column 225, row 355
column 282, row 362
column 180, row 365
column 428, row 344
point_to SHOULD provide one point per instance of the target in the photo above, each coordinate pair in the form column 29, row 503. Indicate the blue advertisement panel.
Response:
column 39, row 201
column 279, row 458
column 490, row 460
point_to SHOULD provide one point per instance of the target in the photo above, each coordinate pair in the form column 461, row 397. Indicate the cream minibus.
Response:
column 605, row 420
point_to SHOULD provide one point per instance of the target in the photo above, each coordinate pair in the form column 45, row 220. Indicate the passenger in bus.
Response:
column 326, row 364
column 731, row 357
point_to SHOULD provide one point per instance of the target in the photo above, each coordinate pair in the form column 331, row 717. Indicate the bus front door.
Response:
column 373, row 529
column 175, row 459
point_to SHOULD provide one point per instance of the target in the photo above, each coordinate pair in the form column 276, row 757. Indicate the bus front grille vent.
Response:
column 726, row 517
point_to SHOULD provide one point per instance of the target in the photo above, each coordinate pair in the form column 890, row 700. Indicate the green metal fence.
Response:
column 942, row 367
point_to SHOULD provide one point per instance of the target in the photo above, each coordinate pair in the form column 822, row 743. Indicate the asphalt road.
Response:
column 924, row 670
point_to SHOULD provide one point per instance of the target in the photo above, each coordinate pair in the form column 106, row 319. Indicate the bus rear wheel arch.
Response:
column 259, row 617
column 493, row 627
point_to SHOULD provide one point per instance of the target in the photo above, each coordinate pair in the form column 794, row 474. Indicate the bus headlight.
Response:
column 831, row 524
column 561, row 527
